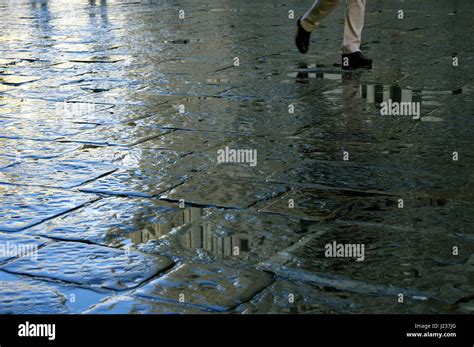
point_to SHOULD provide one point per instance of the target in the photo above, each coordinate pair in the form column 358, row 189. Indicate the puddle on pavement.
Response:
column 232, row 236
column 198, row 235
column 373, row 93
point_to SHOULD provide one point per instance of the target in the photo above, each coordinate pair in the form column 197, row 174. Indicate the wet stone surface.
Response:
column 24, row 206
column 179, row 140
column 223, row 192
column 313, row 204
column 111, row 127
column 74, row 298
column 232, row 237
column 35, row 149
column 14, row 245
column 54, row 174
column 299, row 297
column 23, row 298
column 90, row 265
column 213, row 286
column 134, row 179
column 49, row 129
column 132, row 305
column 116, row 135
column 6, row 161
column 109, row 221
column 396, row 263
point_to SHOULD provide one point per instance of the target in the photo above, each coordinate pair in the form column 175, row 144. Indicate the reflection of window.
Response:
column 377, row 93
column 244, row 245
column 187, row 216
column 201, row 245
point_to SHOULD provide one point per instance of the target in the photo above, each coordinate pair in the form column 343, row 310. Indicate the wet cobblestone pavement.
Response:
column 112, row 114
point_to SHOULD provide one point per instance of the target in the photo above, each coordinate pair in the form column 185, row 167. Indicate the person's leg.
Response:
column 311, row 19
column 352, row 58
column 353, row 25
column 319, row 10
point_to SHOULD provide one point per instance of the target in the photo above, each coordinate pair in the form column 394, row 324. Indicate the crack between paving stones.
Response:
column 224, row 68
column 94, row 179
column 10, row 260
column 85, row 286
column 114, row 194
column 274, row 278
column 266, row 199
column 193, row 204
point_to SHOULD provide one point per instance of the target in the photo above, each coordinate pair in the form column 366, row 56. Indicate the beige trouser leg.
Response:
column 353, row 23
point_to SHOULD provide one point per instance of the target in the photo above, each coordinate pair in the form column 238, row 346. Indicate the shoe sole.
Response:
column 368, row 67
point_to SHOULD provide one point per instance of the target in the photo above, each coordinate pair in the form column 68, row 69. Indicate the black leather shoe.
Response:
column 302, row 38
column 356, row 60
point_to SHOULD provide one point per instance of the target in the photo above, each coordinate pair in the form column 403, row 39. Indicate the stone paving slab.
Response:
column 418, row 212
column 23, row 206
column 150, row 159
column 216, row 114
column 134, row 183
column 183, row 141
column 131, row 305
column 398, row 261
column 6, row 161
column 4, row 88
column 53, row 173
column 34, row 149
column 17, row 80
column 5, row 62
column 23, row 298
column 213, row 286
column 109, row 221
column 177, row 85
column 309, row 204
column 76, row 298
column 117, row 96
column 15, row 245
column 221, row 192
column 41, row 90
column 38, row 109
column 390, row 179
column 97, row 155
column 42, row 129
column 289, row 297
column 270, row 154
column 116, row 135
column 90, row 265
column 115, row 114
column 198, row 162
column 293, row 298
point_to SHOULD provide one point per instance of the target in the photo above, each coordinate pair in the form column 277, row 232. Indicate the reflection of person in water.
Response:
column 352, row 58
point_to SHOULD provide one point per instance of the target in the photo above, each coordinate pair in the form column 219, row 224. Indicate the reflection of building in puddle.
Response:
column 157, row 230
column 377, row 93
column 374, row 93
column 198, row 234
column 201, row 236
